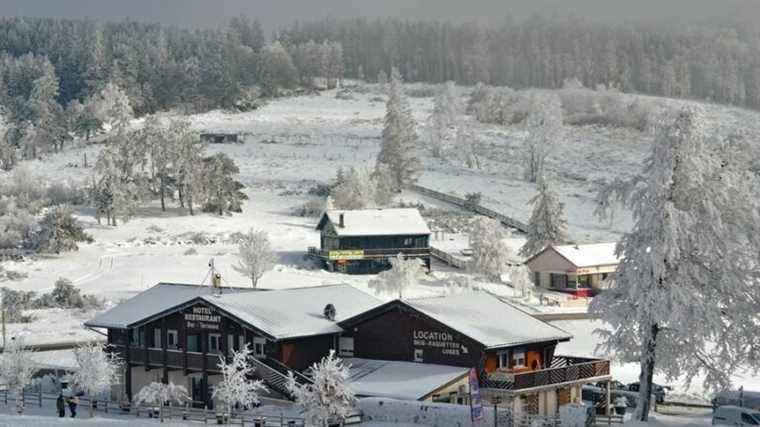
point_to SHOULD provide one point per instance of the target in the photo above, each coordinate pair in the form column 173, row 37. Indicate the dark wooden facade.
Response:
column 219, row 138
column 192, row 338
column 396, row 331
column 368, row 254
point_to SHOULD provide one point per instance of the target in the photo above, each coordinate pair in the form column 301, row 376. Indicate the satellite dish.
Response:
column 329, row 311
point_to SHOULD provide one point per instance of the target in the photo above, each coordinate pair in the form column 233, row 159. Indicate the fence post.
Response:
column 495, row 415
column 40, row 395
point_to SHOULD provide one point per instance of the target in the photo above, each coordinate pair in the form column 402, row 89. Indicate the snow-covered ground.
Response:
column 289, row 145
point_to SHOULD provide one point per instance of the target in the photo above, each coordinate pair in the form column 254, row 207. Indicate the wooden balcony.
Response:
column 564, row 370
column 370, row 253
column 175, row 359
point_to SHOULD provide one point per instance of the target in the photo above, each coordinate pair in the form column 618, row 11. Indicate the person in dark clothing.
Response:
column 60, row 404
column 73, row 401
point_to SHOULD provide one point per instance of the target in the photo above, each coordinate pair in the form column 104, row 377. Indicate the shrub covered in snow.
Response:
column 17, row 369
column 235, row 388
column 98, row 370
column 329, row 398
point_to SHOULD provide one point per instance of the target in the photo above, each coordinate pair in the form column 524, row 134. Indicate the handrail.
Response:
column 588, row 368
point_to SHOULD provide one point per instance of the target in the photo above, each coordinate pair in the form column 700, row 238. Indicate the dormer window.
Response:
column 518, row 359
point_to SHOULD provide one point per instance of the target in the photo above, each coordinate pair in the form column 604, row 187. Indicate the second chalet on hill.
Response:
column 363, row 241
column 417, row 349
column 578, row 269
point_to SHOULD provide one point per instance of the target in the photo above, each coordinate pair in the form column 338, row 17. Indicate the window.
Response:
column 558, row 281
column 157, row 338
column 537, row 278
column 346, row 345
column 583, row 281
column 241, row 341
column 171, row 339
column 213, row 343
column 258, row 346
column 503, row 360
column 230, row 344
column 137, row 337
column 193, row 343
column 408, row 242
column 518, row 357
column 418, row 355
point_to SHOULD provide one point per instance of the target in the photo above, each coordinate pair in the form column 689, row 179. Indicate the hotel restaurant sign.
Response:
column 203, row 318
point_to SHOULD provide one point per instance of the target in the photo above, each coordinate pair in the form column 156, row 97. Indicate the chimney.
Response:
column 341, row 221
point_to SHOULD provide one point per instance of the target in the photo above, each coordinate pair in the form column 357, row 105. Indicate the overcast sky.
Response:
column 275, row 13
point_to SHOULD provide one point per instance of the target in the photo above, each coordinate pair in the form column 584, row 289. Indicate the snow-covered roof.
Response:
column 589, row 255
column 159, row 298
column 487, row 319
column 399, row 380
column 376, row 222
column 285, row 313
column 299, row 312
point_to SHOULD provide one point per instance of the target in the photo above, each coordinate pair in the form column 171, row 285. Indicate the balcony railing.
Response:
column 563, row 370
column 371, row 253
column 175, row 359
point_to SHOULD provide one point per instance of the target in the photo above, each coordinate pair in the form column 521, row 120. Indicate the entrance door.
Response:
column 197, row 387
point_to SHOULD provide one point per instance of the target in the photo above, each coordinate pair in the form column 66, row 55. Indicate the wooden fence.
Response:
column 447, row 258
column 458, row 201
column 35, row 396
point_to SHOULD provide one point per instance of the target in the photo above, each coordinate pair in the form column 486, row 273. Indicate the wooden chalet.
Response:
column 578, row 269
column 177, row 332
column 363, row 241
column 418, row 349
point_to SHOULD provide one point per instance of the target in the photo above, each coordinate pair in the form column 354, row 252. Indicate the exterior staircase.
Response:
column 275, row 375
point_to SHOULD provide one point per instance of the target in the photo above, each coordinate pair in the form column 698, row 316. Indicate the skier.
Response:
column 60, row 404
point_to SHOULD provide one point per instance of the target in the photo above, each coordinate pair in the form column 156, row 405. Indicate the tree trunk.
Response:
column 162, row 190
column 190, row 203
column 181, row 197
column 645, row 378
column 92, row 408
column 19, row 400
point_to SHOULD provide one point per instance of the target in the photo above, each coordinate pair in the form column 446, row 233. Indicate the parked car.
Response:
column 736, row 416
column 743, row 398
column 615, row 385
column 658, row 391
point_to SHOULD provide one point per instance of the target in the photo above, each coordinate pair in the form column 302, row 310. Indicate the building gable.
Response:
column 549, row 260
column 396, row 331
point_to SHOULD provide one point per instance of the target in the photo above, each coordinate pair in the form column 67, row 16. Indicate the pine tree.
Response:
column 684, row 299
column 220, row 190
column 544, row 125
column 399, row 138
column 47, row 114
column 547, row 224
column 190, row 154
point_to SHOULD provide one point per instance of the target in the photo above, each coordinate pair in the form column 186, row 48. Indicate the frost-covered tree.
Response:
column 157, row 394
column 276, row 69
column 399, row 139
column 684, row 299
column 520, row 277
column 403, row 274
column 329, row 398
column 255, row 256
column 544, row 126
column 236, row 387
column 113, row 107
column 17, row 369
column 47, row 113
column 445, row 116
column 220, row 190
column 190, row 155
column 356, row 190
column 58, row 231
column 547, row 222
column 490, row 252
column 99, row 369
